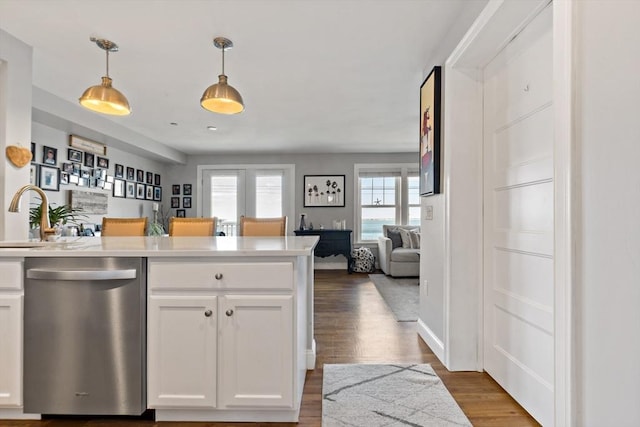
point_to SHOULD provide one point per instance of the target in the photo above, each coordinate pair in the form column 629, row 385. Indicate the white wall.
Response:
column 44, row 135
column 607, row 291
column 15, row 128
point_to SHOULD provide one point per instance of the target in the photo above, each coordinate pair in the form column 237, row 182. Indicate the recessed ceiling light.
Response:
column 212, row 128
column 173, row 124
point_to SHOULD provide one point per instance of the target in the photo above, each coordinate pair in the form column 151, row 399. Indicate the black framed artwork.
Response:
column 131, row 174
column 130, row 190
column 181, row 213
column 140, row 191
column 118, row 171
column 89, row 160
column 157, row 194
column 74, row 155
column 33, row 152
column 150, row 178
column 49, row 178
column 175, row 189
column 139, row 175
column 186, row 202
column 186, row 189
column 49, row 155
column 175, row 202
column 119, row 188
column 326, row 191
column 149, row 195
column 430, row 96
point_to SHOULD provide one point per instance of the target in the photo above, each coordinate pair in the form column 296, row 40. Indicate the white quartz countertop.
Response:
column 219, row 246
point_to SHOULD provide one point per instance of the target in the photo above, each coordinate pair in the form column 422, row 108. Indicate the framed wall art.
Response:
column 49, row 178
column 326, row 191
column 430, row 96
column 49, row 155
column 87, row 145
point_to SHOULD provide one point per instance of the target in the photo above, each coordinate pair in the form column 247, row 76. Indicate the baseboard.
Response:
column 17, row 414
column 431, row 340
column 330, row 265
column 311, row 356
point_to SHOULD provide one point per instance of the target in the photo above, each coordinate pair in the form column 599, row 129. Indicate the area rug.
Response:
column 372, row 395
column 402, row 295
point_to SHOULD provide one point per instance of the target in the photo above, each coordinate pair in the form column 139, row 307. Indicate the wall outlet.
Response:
column 428, row 212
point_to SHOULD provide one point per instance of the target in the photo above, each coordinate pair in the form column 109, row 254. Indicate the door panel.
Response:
column 518, row 219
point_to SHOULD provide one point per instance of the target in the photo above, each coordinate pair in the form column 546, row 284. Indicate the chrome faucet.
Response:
column 45, row 225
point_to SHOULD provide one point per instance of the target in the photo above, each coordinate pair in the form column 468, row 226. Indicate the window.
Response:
column 385, row 194
column 263, row 191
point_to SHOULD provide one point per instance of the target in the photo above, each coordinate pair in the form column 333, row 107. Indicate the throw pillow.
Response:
column 396, row 240
column 406, row 238
column 415, row 239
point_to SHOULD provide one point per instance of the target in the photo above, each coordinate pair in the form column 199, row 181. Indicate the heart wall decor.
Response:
column 19, row 156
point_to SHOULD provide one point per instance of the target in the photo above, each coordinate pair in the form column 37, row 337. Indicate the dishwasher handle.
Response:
column 79, row 274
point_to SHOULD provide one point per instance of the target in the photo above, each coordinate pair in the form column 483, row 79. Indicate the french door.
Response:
column 263, row 191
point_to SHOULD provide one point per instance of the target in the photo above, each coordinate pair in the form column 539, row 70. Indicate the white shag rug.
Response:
column 390, row 395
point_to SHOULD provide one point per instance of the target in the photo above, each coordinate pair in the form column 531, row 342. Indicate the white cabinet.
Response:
column 11, row 307
column 256, row 351
column 227, row 339
column 182, row 351
column 10, row 350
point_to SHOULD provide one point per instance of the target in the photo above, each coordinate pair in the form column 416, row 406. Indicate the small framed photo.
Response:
column 140, row 191
column 186, row 202
column 186, row 189
column 107, row 186
column 324, row 191
column 76, row 169
column 119, row 171
column 150, row 178
column 33, row 152
column 64, row 178
column 89, row 160
column 181, row 213
column 109, row 178
column 74, row 155
column 131, row 174
column 49, row 178
column 67, row 167
column 49, row 155
column 33, row 174
column 119, row 188
column 74, row 179
column 157, row 194
column 175, row 189
column 139, row 175
column 149, row 195
column 156, row 179
column 131, row 190
column 83, row 182
column 175, row 202
column 103, row 162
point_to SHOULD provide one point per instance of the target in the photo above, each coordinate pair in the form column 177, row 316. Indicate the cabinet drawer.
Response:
column 217, row 275
column 11, row 277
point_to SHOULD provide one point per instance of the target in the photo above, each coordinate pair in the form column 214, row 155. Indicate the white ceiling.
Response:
column 332, row 76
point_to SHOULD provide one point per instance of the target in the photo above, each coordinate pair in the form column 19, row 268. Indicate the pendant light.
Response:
column 104, row 98
column 220, row 97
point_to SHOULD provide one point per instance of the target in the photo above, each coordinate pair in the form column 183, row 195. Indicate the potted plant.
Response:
column 60, row 215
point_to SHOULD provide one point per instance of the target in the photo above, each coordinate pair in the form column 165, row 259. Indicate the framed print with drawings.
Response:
column 324, row 191
column 131, row 190
column 430, row 95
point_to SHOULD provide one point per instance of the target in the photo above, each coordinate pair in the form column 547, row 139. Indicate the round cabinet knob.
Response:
column 229, row 312
column 218, row 276
column 208, row 313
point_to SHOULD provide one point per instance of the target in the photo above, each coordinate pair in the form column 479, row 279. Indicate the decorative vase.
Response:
column 303, row 224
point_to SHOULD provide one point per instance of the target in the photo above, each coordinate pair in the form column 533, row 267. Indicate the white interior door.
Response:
column 518, row 219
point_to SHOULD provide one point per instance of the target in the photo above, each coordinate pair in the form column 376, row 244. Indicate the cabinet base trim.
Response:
column 311, row 356
column 283, row 416
column 17, row 414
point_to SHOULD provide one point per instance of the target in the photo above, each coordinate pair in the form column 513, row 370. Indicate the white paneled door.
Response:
column 518, row 219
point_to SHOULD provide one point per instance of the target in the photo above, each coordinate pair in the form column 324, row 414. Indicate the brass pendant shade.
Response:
column 104, row 98
column 221, row 97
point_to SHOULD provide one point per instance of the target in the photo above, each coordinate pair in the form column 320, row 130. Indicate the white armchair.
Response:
column 399, row 257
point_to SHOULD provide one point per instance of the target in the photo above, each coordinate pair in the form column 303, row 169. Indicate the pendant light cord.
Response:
column 223, row 47
column 107, row 50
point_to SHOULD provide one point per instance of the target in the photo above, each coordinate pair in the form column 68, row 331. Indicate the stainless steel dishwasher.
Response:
column 85, row 336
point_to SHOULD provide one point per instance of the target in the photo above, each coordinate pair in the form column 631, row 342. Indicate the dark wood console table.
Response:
column 332, row 242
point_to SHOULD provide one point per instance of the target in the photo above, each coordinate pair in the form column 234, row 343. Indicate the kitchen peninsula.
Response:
column 229, row 330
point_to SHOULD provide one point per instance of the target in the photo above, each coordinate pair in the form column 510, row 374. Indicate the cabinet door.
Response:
column 256, row 351
column 182, row 351
column 10, row 350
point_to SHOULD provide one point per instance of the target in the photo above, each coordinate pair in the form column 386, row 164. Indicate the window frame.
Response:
column 403, row 171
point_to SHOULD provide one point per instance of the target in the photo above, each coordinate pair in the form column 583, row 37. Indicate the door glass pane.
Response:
column 224, row 202
column 373, row 219
column 414, row 215
column 413, row 183
column 268, row 196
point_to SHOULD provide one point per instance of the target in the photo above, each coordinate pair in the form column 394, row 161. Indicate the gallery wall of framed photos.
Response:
column 62, row 163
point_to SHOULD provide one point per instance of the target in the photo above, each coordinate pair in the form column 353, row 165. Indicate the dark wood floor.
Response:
column 353, row 324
